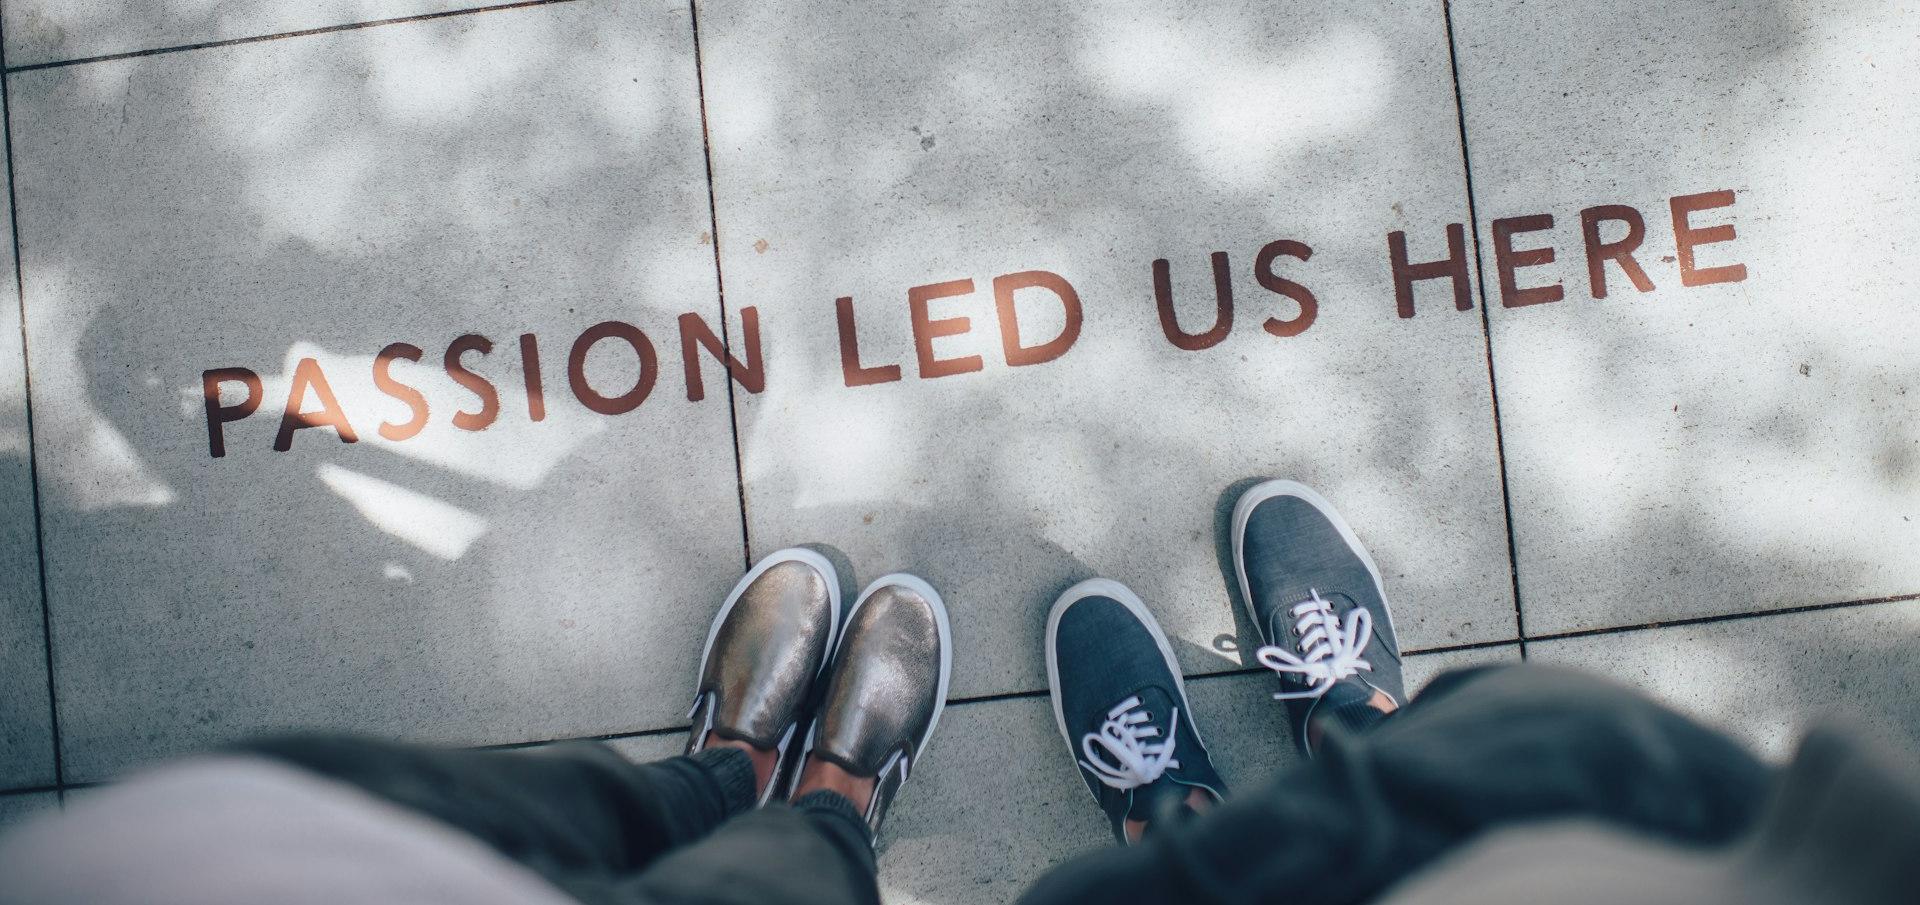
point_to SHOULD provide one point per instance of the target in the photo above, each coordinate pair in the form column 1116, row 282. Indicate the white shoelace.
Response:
column 1132, row 760
column 1329, row 649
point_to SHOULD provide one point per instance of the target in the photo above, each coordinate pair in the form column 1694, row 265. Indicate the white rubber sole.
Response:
column 1267, row 490
column 1113, row 590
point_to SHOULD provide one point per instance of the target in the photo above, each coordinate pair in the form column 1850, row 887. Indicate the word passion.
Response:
column 309, row 380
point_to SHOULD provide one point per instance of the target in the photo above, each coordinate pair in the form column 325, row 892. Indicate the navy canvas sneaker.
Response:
column 1317, row 599
column 1122, row 707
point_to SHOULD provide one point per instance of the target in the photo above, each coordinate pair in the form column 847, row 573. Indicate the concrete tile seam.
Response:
column 598, row 623
column 297, row 33
column 1234, row 673
column 1486, row 327
column 1196, row 677
column 1644, row 535
column 952, row 702
column 26, row 386
column 720, row 286
column 1725, row 617
column 609, row 737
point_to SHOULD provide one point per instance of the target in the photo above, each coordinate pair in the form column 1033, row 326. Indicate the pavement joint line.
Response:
column 951, row 702
column 720, row 288
column 64, row 787
column 1486, row 328
column 1231, row 673
column 33, row 457
column 1724, row 617
column 298, row 33
column 610, row 737
column 974, row 699
column 980, row 699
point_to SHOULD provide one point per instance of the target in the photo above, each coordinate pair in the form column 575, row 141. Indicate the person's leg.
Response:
column 1479, row 749
column 882, row 701
column 1122, row 706
column 580, row 814
column 1118, row 695
column 565, row 811
column 886, row 694
column 765, row 656
column 1320, row 606
column 816, row 851
column 1394, row 786
column 608, row 832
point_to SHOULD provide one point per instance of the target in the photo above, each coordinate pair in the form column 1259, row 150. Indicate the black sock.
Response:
column 1349, row 705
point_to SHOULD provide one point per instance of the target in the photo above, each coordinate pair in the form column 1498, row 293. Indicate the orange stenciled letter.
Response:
column 307, row 375
column 1620, row 252
column 1508, row 261
column 530, row 370
column 1687, row 237
column 752, row 375
column 1222, row 299
column 219, row 415
column 1003, row 289
column 927, row 328
column 642, row 349
column 383, row 379
column 850, row 368
column 1263, row 272
column 489, row 399
column 1454, row 265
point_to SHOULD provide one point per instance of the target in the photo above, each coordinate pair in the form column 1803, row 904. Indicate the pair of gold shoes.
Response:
column 779, row 666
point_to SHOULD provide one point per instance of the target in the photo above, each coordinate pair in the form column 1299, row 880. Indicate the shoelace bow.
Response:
column 1132, row 759
column 1329, row 648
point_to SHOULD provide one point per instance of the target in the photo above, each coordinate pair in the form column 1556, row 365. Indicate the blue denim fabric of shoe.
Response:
column 1319, row 604
column 1122, row 707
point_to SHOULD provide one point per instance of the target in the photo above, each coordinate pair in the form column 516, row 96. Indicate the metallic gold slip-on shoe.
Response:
column 765, row 652
column 887, row 687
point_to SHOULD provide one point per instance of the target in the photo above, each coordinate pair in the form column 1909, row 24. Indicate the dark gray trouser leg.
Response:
column 816, row 852
column 1479, row 749
column 611, row 832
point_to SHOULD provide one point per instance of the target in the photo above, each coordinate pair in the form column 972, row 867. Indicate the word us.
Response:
column 309, row 381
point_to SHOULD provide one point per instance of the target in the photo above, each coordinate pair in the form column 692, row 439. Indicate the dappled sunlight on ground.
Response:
column 506, row 563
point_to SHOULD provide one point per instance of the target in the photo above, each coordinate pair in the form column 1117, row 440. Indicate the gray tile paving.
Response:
column 1424, row 668
column 1088, row 140
column 1765, row 679
column 44, row 31
column 77, row 793
column 1692, row 450
column 995, row 804
column 648, row 748
column 535, row 171
column 16, row 809
column 26, row 716
column 998, row 801
column 1726, row 447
